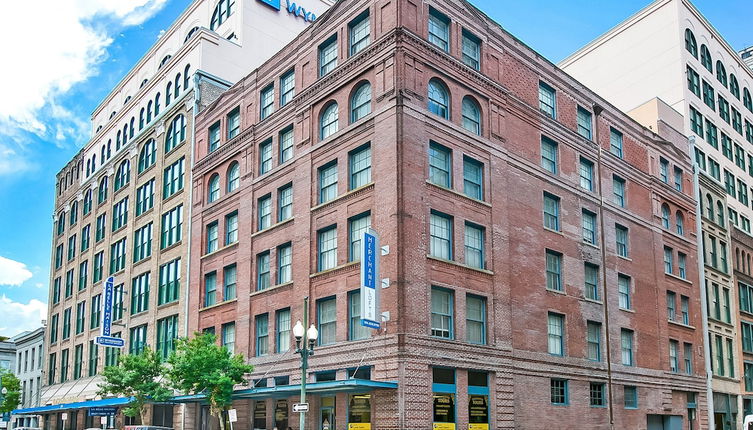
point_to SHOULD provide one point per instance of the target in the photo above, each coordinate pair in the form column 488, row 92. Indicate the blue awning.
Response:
column 115, row 401
column 328, row 387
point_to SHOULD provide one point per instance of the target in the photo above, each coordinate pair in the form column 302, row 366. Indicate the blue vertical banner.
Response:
column 370, row 281
column 107, row 307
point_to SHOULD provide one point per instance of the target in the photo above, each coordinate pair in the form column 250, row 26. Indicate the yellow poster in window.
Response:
column 473, row 426
column 359, row 426
column 444, row 426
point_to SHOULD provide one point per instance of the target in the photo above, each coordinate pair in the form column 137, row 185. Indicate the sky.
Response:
column 59, row 75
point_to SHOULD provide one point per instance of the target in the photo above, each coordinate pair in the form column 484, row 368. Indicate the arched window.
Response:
column 690, row 43
column 128, row 99
column 123, row 175
column 88, row 166
column 125, row 134
column 680, row 223
column 117, row 141
column 148, row 155
column 74, row 213
column 439, row 99
column 710, row 207
column 168, row 93
column 706, row 59
column 328, row 121
column 720, row 214
column 665, row 215
column 191, row 32
column 186, row 77
column 141, row 119
column 131, row 127
column 176, row 133
column 360, row 102
column 87, row 201
column 734, row 86
column 156, row 105
column 143, row 83
column 112, row 114
column 99, row 127
column 221, row 13
column 149, row 112
column 233, row 177
column 164, row 61
column 177, row 85
column 471, row 116
column 721, row 73
column 109, row 142
column 747, row 100
column 102, row 190
column 94, row 162
column 102, row 157
column 213, row 192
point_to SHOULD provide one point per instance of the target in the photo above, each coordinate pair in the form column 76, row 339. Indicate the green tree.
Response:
column 200, row 366
column 137, row 376
column 13, row 385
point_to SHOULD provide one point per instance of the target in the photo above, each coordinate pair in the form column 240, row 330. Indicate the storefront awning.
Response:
column 116, row 401
column 328, row 387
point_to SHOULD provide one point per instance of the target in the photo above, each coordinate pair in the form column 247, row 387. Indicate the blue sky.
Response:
column 61, row 75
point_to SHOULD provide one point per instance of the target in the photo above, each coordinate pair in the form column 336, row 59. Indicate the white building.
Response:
column 29, row 365
column 670, row 51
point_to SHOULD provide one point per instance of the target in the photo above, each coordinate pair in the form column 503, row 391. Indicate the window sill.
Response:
column 219, row 250
column 334, row 269
column 175, row 148
column 632, row 311
column 168, row 304
column 169, row 247
column 554, row 231
column 342, row 197
column 216, row 305
column 272, row 288
column 147, row 170
column 598, row 302
column 622, row 257
column 561, row 292
column 138, row 314
column 679, row 324
column 464, row 266
column 148, row 211
column 683, row 280
column 119, row 229
column 138, row 263
column 590, row 245
column 459, row 194
column 166, row 200
column 272, row 227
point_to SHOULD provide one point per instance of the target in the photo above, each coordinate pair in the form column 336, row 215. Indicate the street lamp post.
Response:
column 304, row 345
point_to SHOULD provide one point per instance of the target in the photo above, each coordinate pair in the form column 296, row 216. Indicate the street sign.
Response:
column 103, row 421
column 110, row 341
column 370, row 279
column 64, row 416
column 107, row 307
column 300, row 407
column 103, row 411
column 232, row 415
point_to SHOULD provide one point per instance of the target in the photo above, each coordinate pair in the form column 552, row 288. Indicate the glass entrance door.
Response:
column 327, row 414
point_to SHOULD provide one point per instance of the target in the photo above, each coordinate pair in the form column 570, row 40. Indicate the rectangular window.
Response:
column 233, row 123
column 262, row 271
column 708, row 93
column 442, row 313
column 626, row 341
column 473, row 178
column 726, row 146
column 172, row 221
column 630, row 393
column 119, row 214
column 138, row 340
column 262, row 334
column 328, row 55
column 229, row 278
column 210, row 289
column 724, row 109
column 327, row 248
column 93, row 358
column 471, row 51
column 440, row 231
column 69, row 276
column 287, row 87
column 99, row 262
column 668, row 257
column 559, row 394
column 474, row 246
column 591, row 275
column 597, row 394
column 621, row 239
column 593, row 337
column 625, row 291
column 80, row 317
column 327, row 182
column 145, row 197
column 549, row 154
column 551, row 212
column 326, row 312
column 739, row 156
column 96, row 311
column 169, row 282
column 678, row 179
column 584, row 122
column 112, row 354
column 618, row 191
column 357, row 225
column 685, row 310
column 265, row 156
column 71, row 247
column 83, row 273
column 167, row 332
column 99, row 234
column 142, row 243
column 85, row 235
column 475, row 324
column 671, row 305
column 586, row 174
column 285, row 141
column 440, row 165
column 78, row 358
column 730, row 358
column 547, row 100
column 359, row 30
column 439, row 30
column 231, row 228
column 674, row 365
column 712, row 134
column 693, row 84
column 212, row 239
column 173, row 178
column 67, row 323
column 117, row 256
column 553, row 270
column 355, row 330
column 589, row 227
column 140, row 293
column 360, row 167
column 615, row 142
column 696, row 121
column 214, row 136
column 664, row 170
column 556, row 333
column 284, row 264
column 682, row 265
column 688, row 358
column 283, row 330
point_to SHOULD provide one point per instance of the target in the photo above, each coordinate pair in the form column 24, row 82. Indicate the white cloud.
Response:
column 60, row 45
column 13, row 272
column 19, row 317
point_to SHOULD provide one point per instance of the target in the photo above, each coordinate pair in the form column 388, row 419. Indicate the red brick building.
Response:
column 542, row 265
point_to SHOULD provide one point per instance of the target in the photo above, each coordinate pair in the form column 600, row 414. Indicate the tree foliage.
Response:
column 138, row 377
column 13, row 397
column 200, row 366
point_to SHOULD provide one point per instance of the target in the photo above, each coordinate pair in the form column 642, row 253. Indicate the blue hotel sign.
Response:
column 370, row 279
column 292, row 8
